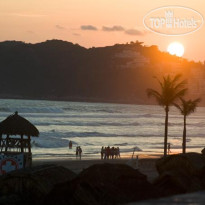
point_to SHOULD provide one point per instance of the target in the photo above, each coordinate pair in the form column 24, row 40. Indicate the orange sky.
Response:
column 40, row 20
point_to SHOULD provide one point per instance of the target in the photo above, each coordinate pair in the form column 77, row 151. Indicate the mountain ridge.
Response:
column 61, row 70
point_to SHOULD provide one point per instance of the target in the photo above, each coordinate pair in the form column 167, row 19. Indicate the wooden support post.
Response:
column 29, row 144
column 7, row 143
column 29, row 151
column 21, row 143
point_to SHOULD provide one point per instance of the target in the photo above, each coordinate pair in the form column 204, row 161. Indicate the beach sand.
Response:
column 146, row 164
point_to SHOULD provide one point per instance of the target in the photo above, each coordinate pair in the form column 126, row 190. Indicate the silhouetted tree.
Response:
column 186, row 108
column 171, row 90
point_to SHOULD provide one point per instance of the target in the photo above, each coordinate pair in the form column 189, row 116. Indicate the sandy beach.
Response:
column 146, row 164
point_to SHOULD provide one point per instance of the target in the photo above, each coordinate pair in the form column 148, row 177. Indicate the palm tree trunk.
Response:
column 184, row 137
column 166, row 131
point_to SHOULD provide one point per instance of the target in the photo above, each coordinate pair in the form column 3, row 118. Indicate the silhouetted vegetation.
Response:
column 171, row 89
column 186, row 107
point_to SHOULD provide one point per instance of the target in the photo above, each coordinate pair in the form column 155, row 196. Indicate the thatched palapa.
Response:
column 17, row 125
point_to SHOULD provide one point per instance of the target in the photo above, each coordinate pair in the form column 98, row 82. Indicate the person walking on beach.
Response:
column 102, row 152
column 70, row 144
column 118, row 152
column 108, row 152
column 105, row 153
column 77, row 151
column 80, row 152
column 169, row 147
column 112, row 152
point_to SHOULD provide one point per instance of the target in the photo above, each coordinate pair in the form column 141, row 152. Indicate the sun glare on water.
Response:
column 176, row 48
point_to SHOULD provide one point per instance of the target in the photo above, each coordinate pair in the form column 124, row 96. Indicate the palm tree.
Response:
column 186, row 108
column 171, row 90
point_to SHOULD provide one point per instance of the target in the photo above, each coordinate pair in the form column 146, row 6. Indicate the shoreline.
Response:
column 73, row 158
column 94, row 157
column 124, row 156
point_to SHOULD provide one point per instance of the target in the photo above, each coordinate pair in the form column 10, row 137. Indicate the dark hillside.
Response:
column 59, row 70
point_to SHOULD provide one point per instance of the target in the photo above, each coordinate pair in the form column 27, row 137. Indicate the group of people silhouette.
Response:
column 106, row 152
column 110, row 152
column 78, row 149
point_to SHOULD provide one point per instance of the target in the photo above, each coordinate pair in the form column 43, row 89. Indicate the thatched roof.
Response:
column 17, row 125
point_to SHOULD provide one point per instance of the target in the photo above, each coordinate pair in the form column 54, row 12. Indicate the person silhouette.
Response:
column 77, row 151
column 102, row 152
column 80, row 151
column 70, row 144
column 169, row 148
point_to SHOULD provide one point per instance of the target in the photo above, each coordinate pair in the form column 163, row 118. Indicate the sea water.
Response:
column 93, row 125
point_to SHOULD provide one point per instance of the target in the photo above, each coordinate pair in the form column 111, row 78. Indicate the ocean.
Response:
column 93, row 125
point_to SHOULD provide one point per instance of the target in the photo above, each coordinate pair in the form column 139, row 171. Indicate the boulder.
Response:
column 190, row 163
column 181, row 173
column 32, row 184
column 203, row 151
column 104, row 184
column 177, row 182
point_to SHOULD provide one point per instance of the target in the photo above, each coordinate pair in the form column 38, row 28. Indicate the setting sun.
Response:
column 176, row 48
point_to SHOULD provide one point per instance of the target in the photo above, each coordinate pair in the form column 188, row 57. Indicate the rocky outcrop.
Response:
column 104, row 184
column 203, row 151
column 180, row 173
column 31, row 185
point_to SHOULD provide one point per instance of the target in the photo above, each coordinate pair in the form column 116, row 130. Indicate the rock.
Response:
column 190, row 163
column 203, row 151
column 177, row 182
column 72, row 194
column 104, row 184
column 196, row 198
column 180, row 173
column 12, row 199
column 32, row 184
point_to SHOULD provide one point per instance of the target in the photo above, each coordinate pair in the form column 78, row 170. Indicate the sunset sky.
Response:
column 93, row 23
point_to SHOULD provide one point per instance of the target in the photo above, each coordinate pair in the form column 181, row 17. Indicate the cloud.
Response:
column 88, row 27
column 135, row 32
column 60, row 27
column 113, row 28
column 76, row 34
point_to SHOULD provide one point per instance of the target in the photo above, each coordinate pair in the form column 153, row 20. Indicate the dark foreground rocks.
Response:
column 195, row 198
column 182, row 173
column 31, row 185
column 98, row 184
column 104, row 184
